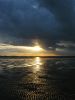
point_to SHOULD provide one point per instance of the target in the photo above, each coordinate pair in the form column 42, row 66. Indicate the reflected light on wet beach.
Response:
column 37, row 64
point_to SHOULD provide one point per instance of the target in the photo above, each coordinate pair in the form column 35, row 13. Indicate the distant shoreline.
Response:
column 37, row 56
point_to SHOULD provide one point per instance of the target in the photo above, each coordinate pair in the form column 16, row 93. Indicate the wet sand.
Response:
column 37, row 79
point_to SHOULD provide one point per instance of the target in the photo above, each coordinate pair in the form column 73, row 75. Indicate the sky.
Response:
column 49, row 22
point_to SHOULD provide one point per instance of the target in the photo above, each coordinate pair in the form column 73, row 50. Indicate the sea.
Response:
column 37, row 78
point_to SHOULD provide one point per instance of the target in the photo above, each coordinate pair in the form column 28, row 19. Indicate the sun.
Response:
column 37, row 48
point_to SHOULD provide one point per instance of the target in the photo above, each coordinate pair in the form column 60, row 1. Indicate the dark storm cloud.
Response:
column 65, row 44
column 24, row 18
column 66, row 48
column 64, row 12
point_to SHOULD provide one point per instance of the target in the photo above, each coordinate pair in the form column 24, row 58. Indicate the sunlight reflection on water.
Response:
column 37, row 63
column 35, row 66
column 37, row 77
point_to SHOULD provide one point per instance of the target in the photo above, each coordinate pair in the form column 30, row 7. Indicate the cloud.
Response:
column 8, row 49
column 19, row 50
column 66, row 44
column 24, row 18
column 50, row 21
column 64, row 12
column 64, row 48
column 53, row 20
column 65, row 51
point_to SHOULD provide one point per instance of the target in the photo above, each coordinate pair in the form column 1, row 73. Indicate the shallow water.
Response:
column 37, row 78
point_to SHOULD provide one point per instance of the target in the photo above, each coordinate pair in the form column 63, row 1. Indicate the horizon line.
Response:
column 42, row 56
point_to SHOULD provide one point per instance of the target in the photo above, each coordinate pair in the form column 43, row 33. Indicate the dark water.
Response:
column 37, row 79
